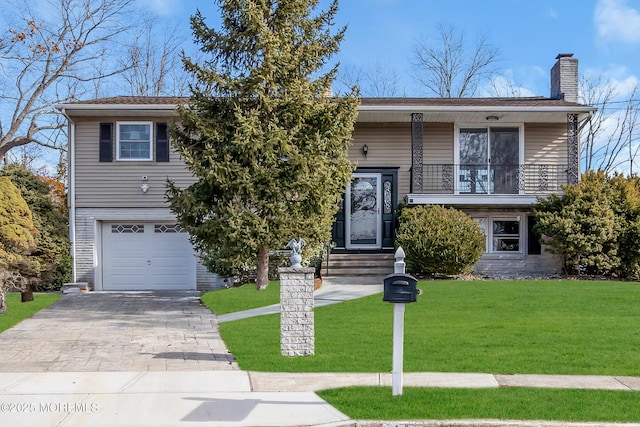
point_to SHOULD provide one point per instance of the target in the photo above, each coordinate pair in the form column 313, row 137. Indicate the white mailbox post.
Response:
column 399, row 289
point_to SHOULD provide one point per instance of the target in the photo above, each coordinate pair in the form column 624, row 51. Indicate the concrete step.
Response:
column 358, row 271
column 359, row 265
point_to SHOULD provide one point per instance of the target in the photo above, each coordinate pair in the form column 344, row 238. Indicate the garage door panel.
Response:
column 147, row 256
column 125, row 282
column 119, row 263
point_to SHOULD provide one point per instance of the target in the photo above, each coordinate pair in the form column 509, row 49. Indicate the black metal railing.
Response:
column 492, row 179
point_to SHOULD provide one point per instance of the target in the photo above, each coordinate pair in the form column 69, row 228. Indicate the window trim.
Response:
column 488, row 233
column 506, row 235
column 151, row 150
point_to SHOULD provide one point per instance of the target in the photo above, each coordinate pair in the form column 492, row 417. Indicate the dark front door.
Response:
column 366, row 218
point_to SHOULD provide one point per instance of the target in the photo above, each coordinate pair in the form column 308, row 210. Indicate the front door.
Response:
column 362, row 212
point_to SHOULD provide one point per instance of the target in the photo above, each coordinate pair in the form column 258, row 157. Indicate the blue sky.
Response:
column 603, row 34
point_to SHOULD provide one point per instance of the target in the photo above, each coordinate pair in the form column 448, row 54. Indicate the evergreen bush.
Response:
column 581, row 226
column 51, row 221
column 438, row 240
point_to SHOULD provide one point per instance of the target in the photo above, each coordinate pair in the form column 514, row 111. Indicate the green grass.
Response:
column 539, row 327
column 370, row 403
column 18, row 311
column 241, row 298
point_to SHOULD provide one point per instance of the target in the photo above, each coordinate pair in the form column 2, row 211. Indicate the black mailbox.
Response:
column 400, row 288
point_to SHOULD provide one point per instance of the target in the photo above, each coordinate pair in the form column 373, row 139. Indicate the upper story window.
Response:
column 134, row 141
column 489, row 159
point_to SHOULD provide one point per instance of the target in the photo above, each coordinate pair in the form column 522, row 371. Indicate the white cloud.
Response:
column 619, row 77
column 616, row 21
column 504, row 86
column 161, row 7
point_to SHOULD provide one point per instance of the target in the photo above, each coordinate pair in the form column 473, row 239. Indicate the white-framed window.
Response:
column 134, row 141
column 506, row 235
column 502, row 233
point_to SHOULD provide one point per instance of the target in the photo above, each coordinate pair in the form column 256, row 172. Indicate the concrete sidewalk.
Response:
column 231, row 398
column 144, row 399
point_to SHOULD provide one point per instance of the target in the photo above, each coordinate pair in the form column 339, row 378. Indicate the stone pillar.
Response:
column 296, row 311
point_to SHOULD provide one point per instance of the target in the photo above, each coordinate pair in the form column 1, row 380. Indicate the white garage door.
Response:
column 146, row 256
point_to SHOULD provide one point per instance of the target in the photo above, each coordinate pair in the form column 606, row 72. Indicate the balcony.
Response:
column 485, row 184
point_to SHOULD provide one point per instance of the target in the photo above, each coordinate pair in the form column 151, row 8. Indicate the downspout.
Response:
column 71, row 175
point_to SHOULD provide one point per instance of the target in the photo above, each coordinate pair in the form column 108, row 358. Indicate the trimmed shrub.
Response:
column 582, row 227
column 438, row 240
column 595, row 225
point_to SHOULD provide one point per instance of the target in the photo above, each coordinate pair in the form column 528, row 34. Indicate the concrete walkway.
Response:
column 139, row 359
column 330, row 293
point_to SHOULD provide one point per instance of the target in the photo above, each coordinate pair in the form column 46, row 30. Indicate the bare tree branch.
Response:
column 374, row 80
column 46, row 55
column 449, row 68
column 152, row 64
column 609, row 139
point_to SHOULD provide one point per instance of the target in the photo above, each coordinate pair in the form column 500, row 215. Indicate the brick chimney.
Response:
column 564, row 78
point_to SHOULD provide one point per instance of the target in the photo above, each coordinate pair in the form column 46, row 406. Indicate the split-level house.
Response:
column 489, row 157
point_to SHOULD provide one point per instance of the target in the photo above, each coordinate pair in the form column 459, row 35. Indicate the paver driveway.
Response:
column 117, row 331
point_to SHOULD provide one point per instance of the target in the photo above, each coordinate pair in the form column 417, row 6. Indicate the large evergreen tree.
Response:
column 17, row 240
column 262, row 134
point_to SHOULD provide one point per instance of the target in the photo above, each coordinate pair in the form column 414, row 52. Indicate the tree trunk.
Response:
column 262, row 273
column 3, row 302
column 27, row 294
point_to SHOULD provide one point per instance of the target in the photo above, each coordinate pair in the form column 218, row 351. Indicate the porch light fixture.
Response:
column 493, row 118
column 365, row 150
column 144, row 187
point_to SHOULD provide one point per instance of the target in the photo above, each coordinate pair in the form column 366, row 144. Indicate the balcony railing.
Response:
column 491, row 179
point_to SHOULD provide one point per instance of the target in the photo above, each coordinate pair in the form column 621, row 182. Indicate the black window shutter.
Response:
column 534, row 247
column 162, row 143
column 106, row 142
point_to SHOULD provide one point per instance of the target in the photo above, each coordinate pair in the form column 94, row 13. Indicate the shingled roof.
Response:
column 536, row 101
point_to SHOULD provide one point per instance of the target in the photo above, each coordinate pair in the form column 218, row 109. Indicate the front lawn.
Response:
column 541, row 327
column 376, row 403
column 18, row 311
column 245, row 297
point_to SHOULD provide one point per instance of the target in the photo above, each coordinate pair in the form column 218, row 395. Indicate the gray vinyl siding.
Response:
column 111, row 190
column 389, row 146
column 117, row 183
